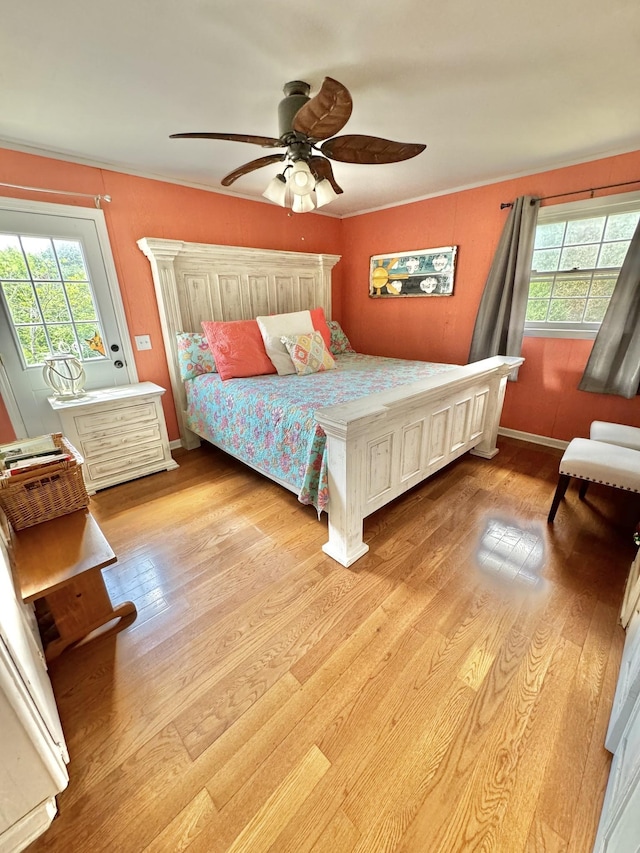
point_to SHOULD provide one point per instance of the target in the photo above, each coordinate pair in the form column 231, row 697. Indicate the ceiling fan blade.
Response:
column 250, row 167
column 369, row 149
column 264, row 141
column 321, row 168
column 326, row 113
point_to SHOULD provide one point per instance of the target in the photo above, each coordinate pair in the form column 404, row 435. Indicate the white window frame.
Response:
column 566, row 212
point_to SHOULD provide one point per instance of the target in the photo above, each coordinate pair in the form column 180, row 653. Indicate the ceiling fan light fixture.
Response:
column 324, row 193
column 276, row 191
column 301, row 181
column 302, row 203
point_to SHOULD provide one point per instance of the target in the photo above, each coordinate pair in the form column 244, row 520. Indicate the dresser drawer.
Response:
column 138, row 458
column 120, row 442
column 114, row 418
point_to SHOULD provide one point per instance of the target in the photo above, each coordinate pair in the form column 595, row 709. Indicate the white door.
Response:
column 58, row 294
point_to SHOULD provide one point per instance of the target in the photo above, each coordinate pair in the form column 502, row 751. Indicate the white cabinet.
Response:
column 628, row 686
column 619, row 828
column 120, row 432
column 33, row 753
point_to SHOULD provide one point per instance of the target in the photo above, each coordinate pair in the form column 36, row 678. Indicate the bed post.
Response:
column 487, row 448
column 345, row 472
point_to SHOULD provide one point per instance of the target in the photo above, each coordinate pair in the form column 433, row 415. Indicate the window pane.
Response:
column 579, row 257
column 546, row 260
column 596, row 309
column 585, row 231
column 81, row 301
column 63, row 338
column 40, row 258
column 549, row 235
column 571, row 286
column 71, row 260
column 91, row 341
column 22, row 302
column 540, row 287
column 537, row 309
column 613, row 254
column 12, row 263
column 52, row 302
column 566, row 310
column 603, row 286
column 621, row 226
column 34, row 344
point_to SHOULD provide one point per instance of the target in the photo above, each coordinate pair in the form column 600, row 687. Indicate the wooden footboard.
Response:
column 380, row 446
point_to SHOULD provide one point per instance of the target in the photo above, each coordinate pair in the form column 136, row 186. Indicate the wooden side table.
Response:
column 62, row 561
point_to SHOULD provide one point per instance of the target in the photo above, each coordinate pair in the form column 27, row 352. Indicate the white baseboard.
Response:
column 176, row 444
column 533, row 438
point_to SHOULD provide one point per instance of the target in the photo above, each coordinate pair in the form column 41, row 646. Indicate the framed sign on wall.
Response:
column 424, row 272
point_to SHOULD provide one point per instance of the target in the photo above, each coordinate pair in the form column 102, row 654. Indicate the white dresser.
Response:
column 121, row 433
column 619, row 829
column 33, row 753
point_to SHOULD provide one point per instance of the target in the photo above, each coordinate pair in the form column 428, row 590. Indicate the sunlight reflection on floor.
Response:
column 515, row 553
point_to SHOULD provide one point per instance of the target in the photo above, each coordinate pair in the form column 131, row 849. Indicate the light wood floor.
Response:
column 450, row 692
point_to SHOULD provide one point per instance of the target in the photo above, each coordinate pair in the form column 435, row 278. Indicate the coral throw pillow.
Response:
column 320, row 325
column 308, row 353
column 238, row 348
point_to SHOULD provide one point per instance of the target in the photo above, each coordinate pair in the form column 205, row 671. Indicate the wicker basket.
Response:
column 42, row 494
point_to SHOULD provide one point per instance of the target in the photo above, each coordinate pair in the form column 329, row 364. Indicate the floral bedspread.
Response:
column 269, row 422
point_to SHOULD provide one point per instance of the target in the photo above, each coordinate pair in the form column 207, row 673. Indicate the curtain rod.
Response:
column 591, row 190
column 96, row 198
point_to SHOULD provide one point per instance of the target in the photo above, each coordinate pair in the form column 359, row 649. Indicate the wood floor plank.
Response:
column 574, row 742
column 542, row 839
column 479, row 807
column 596, row 771
column 84, row 823
column 178, row 834
column 265, row 826
column 382, row 642
column 339, row 835
column 448, row 692
column 445, row 750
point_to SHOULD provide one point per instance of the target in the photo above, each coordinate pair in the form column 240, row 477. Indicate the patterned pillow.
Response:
column 339, row 341
column 194, row 355
column 308, row 353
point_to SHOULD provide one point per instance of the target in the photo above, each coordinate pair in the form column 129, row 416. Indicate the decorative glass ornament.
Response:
column 65, row 375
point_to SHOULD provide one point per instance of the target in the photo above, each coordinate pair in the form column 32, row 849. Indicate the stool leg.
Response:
column 584, row 485
column 561, row 488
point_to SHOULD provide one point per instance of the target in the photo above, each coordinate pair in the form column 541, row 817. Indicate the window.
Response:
column 579, row 249
column 46, row 287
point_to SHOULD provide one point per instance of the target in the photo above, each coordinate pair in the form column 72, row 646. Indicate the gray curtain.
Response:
column 499, row 325
column 614, row 363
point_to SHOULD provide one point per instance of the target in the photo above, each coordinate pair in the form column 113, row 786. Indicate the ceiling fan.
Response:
column 303, row 123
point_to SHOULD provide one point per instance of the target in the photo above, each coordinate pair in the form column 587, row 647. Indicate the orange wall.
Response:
column 145, row 208
column 545, row 400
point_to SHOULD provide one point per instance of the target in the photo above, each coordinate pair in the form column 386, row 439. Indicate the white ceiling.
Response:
column 495, row 88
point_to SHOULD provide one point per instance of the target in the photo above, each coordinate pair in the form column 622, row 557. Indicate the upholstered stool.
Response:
column 596, row 462
column 625, row 436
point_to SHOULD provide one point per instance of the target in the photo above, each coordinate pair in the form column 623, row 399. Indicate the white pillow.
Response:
column 274, row 327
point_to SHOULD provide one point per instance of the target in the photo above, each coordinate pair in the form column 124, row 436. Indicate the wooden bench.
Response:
column 62, row 561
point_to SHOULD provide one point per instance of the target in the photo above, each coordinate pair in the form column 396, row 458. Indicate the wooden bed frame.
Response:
column 378, row 446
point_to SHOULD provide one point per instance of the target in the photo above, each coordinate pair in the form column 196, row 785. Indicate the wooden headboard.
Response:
column 200, row 281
